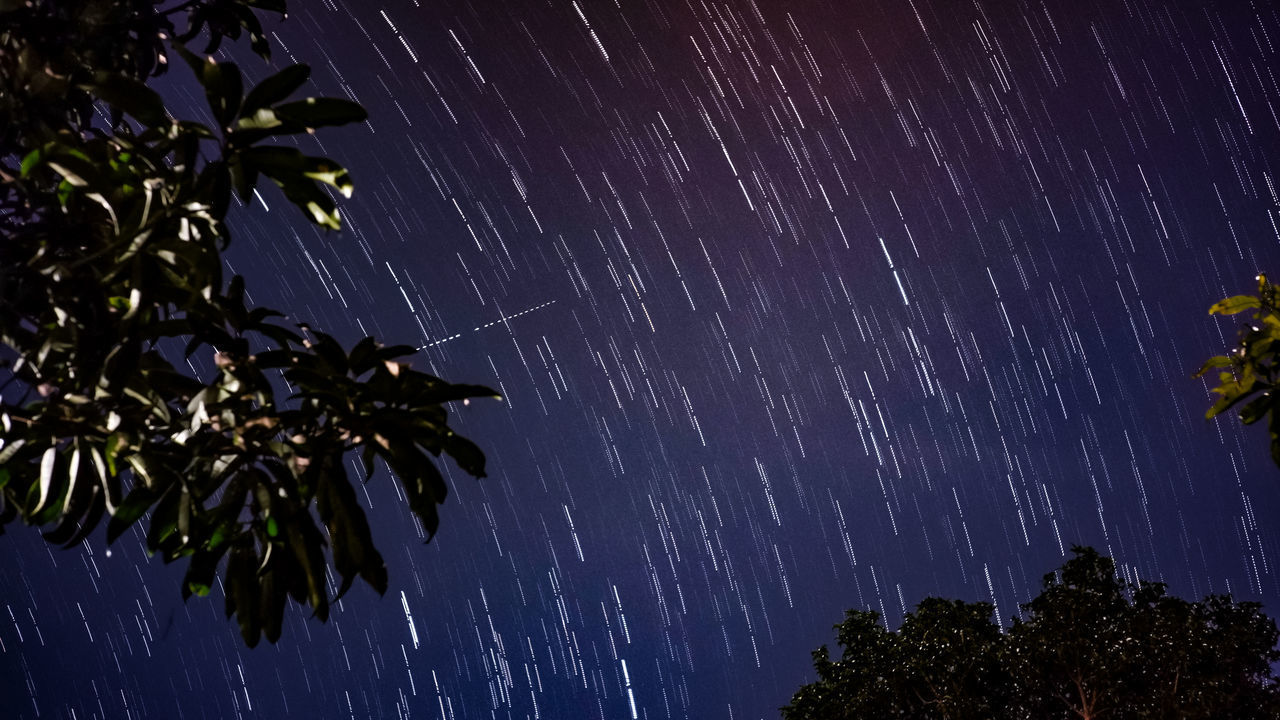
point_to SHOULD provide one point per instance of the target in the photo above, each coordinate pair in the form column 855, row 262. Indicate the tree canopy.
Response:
column 113, row 216
column 1091, row 645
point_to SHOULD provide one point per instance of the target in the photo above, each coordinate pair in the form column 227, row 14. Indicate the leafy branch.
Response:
column 111, row 278
column 1249, row 374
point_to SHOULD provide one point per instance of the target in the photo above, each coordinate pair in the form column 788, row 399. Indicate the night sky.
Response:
column 795, row 307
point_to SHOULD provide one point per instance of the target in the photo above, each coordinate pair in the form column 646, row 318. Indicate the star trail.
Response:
column 794, row 307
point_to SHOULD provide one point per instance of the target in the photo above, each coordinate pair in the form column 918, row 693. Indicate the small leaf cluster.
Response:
column 113, row 217
column 1250, row 374
column 1089, row 646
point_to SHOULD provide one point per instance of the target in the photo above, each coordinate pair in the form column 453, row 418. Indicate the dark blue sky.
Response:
column 795, row 307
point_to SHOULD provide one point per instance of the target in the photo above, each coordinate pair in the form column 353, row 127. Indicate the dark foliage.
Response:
column 112, row 215
column 1090, row 646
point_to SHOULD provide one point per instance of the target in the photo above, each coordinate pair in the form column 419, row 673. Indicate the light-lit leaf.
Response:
column 1213, row 362
column 1233, row 305
column 76, row 172
column 10, row 449
column 260, row 119
column 47, row 464
column 327, row 172
column 31, row 160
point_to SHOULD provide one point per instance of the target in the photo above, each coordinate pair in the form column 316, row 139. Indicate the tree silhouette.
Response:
column 1090, row 646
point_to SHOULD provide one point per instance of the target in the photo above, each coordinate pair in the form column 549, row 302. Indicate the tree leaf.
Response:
column 11, row 448
column 1213, row 362
column 391, row 352
column 77, row 171
column 305, row 541
column 330, row 352
column 274, row 160
column 131, row 96
column 326, row 171
column 349, row 536
column 1233, row 305
column 242, row 591
column 164, row 521
column 450, row 392
column 222, row 83
column 275, row 88
column 316, row 112
column 31, row 160
column 135, row 504
column 47, row 464
column 274, row 592
column 318, row 207
column 255, row 125
column 466, row 453
column 201, row 570
column 362, row 357
column 90, row 521
column 1257, row 408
